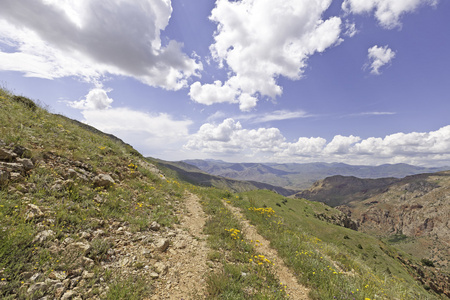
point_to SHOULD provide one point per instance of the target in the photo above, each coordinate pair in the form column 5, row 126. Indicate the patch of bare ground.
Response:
column 187, row 256
column 285, row 275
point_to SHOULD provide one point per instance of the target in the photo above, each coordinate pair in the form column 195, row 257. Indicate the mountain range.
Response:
column 297, row 176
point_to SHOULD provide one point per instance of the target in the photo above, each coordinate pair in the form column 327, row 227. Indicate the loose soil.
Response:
column 186, row 258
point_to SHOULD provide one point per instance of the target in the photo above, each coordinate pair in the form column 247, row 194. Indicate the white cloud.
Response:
column 88, row 39
column 269, row 144
column 96, row 99
column 152, row 134
column 280, row 115
column 212, row 93
column 257, row 49
column 378, row 57
column 387, row 12
column 229, row 137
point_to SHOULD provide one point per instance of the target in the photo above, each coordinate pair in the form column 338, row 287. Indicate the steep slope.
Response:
column 302, row 176
column 412, row 213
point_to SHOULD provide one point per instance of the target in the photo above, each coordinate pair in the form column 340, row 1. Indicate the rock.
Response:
column 6, row 154
column 37, row 287
column 43, row 236
column 161, row 268
column 33, row 212
column 85, row 235
column 161, row 245
column 87, row 275
column 4, row 176
column 12, row 167
column 155, row 226
column 181, row 244
column 36, row 277
column 154, row 275
column 98, row 233
column 103, row 180
column 71, row 173
column 57, row 275
column 26, row 163
column 87, row 262
column 68, row 295
column 85, row 248
column 15, row 176
column 59, row 291
column 21, row 151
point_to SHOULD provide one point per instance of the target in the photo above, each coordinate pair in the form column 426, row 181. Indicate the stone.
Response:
column 4, row 176
column 43, row 236
column 154, row 275
column 87, row 262
column 12, row 167
column 21, row 151
column 37, row 287
column 87, row 275
column 103, row 180
column 161, row 245
column 57, row 275
column 80, row 247
column 26, row 163
column 71, row 173
column 6, row 154
column 36, row 277
column 161, row 268
column 68, row 295
column 33, row 212
column 155, row 226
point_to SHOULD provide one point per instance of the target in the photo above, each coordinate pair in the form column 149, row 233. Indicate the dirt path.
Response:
column 186, row 257
column 294, row 289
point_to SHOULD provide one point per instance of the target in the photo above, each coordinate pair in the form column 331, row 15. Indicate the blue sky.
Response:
column 354, row 81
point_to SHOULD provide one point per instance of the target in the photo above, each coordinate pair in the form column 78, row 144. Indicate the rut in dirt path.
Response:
column 285, row 275
column 186, row 259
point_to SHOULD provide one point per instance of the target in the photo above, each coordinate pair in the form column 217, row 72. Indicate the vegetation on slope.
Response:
column 336, row 262
column 78, row 220
column 59, row 220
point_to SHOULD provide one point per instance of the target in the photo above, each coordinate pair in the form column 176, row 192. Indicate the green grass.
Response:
column 55, row 144
column 332, row 260
column 239, row 276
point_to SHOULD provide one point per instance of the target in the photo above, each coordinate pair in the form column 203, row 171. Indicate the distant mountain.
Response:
column 194, row 175
column 413, row 212
column 302, row 176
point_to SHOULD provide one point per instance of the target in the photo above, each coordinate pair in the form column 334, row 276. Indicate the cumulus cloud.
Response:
column 96, row 99
column 154, row 134
column 230, row 137
column 257, row 50
column 88, row 39
column 387, row 12
column 378, row 57
column 269, row 144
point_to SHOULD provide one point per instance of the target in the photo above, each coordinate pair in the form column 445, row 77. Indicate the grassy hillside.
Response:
column 85, row 216
column 333, row 260
column 67, row 196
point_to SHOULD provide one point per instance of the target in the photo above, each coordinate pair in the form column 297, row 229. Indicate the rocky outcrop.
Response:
column 12, row 166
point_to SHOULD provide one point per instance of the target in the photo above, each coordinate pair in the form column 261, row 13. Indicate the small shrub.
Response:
column 427, row 262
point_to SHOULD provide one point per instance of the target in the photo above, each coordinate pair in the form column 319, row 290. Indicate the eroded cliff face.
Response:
column 416, row 207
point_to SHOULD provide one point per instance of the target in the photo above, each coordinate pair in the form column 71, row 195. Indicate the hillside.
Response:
column 196, row 176
column 412, row 213
column 301, row 176
column 85, row 216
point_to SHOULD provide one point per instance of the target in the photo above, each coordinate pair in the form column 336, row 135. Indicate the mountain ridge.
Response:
column 301, row 176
